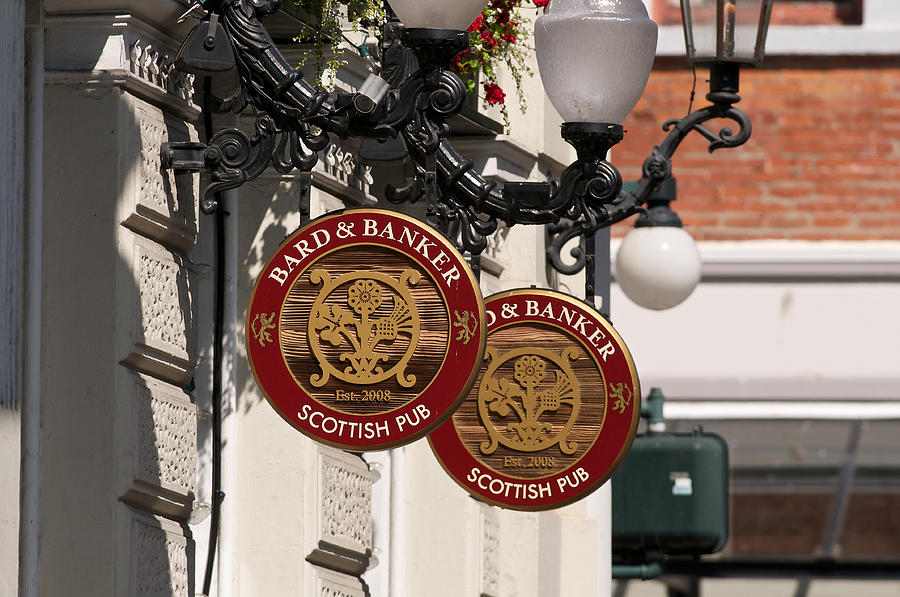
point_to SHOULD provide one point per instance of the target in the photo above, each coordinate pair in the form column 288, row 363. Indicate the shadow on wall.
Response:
column 119, row 429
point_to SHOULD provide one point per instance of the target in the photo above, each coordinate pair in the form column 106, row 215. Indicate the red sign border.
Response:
column 458, row 462
column 435, row 397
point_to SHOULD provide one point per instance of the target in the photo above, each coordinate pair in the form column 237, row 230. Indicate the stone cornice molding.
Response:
column 808, row 40
column 505, row 158
column 118, row 50
column 784, row 389
column 798, row 261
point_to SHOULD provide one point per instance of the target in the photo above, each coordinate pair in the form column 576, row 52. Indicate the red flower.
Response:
column 509, row 38
column 478, row 24
column 540, row 3
column 457, row 59
column 487, row 40
column 493, row 94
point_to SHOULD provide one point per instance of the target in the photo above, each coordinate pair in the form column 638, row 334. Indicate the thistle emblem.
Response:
column 366, row 337
column 526, row 398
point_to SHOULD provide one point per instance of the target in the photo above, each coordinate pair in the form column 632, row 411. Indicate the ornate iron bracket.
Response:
column 657, row 166
column 232, row 157
column 297, row 119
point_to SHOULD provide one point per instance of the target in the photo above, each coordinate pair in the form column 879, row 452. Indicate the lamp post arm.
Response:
column 297, row 118
column 587, row 193
column 657, row 167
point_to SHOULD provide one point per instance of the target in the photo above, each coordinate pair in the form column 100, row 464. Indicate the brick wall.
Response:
column 784, row 12
column 823, row 161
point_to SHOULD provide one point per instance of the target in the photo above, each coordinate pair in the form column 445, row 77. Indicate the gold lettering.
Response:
column 528, row 462
column 364, row 395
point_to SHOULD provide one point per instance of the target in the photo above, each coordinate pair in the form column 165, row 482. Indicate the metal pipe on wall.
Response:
column 599, row 503
column 29, row 521
column 228, row 514
column 398, row 523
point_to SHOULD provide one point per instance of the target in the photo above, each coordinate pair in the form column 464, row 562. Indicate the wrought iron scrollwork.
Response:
column 657, row 167
column 556, row 237
column 299, row 117
column 423, row 95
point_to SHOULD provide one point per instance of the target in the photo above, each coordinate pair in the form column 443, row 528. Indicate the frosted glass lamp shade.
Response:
column 437, row 14
column 595, row 57
column 658, row 267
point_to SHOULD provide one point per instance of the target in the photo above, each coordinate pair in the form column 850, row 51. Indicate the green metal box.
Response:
column 671, row 495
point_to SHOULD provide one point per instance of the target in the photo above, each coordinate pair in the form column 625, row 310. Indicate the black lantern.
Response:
column 726, row 31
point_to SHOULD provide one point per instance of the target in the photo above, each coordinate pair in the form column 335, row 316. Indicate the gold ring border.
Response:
column 466, row 387
column 635, row 417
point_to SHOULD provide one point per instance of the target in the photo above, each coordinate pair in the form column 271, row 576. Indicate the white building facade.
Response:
column 108, row 384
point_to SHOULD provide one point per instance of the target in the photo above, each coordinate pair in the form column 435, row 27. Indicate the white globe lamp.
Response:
column 658, row 264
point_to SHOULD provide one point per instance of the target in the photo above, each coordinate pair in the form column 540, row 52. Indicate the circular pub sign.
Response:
column 366, row 329
column 553, row 411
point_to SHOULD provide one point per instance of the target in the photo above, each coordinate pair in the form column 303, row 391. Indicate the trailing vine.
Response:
column 496, row 37
column 327, row 28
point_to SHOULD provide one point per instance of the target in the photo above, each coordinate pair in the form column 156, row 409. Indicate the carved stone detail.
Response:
column 331, row 584
column 165, row 302
column 335, row 592
column 493, row 260
column 345, row 514
column 167, row 441
column 346, row 168
column 151, row 180
column 163, row 478
column 158, row 69
column 165, row 201
column 102, row 48
column 339, row 173
column 490, row 552
column 496, row 243
column 159, row 558
column 346, row 518
column 164, row 341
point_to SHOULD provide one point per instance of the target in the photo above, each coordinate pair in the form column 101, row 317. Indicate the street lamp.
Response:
column 594, row 57
column 658, row 265
column 457, row 15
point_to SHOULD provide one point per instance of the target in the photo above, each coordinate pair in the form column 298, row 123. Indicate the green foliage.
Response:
column 326, row 30
column 495, row 38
